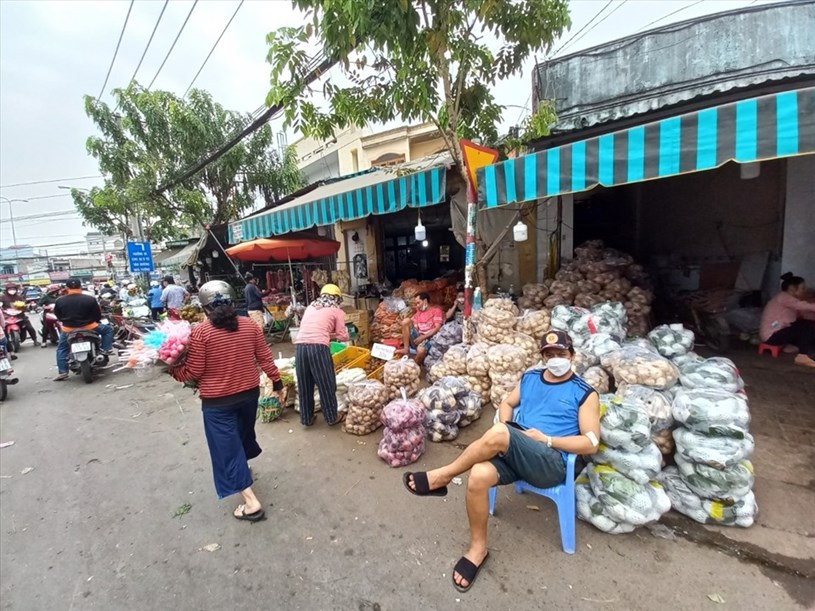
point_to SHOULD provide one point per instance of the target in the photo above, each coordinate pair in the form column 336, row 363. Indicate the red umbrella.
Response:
column 264, row 250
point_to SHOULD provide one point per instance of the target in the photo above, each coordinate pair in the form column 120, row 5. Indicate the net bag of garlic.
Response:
column 365, row 402
column 403, row 440
column 402, row 374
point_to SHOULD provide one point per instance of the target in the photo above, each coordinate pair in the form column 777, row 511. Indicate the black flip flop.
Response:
column 251, row 517
column 468, row 571
column 340, row 418
column 422, row 485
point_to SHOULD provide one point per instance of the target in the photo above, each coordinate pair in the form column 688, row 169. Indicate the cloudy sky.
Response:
column 53, row 53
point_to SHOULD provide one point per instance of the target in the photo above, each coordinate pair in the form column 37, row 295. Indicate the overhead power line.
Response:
column 150, row 40
column 43, row 182
column 116, row 52
column 213, row 48
column 43, row 215
column 316, row 72
column 577, row 39
column 166, row 57
column 679, row 10
column 596, row 15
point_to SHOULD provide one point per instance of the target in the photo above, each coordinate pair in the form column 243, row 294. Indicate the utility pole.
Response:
column 11, row 215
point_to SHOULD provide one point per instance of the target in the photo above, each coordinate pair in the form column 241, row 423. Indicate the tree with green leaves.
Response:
column 149, row 136
column 428, row 60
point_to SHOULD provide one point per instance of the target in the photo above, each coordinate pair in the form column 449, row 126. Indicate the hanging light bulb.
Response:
column 419, row 232
column 424, row 243
column 520, row 232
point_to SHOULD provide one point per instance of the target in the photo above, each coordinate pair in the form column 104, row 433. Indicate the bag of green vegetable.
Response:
column 712, row 411
column 716, row 372
column 624, row 426
column 672, row 341
column 719, row 484
column 716, row 452
column 641, row 466
column 591, row 510
column 624, row 500
column 738, row 512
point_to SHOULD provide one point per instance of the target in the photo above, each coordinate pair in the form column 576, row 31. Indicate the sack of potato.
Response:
column 402, row 374
column 635, row 365
column 478, row 365
column 365, row 402
column 455, row 360
column 597, row 378
column 479, row 385
column 494, row 323
column 501, row 303
column 533, row 296
column 528, row 344
column 534, row 323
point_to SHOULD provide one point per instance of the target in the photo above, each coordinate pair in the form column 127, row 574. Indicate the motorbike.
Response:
column 85, row 353
column 15, row 331
column 50, row 325
column 6, row 374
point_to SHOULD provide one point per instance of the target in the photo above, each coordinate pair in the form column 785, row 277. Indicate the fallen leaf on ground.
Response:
column 212, row 547
column 717, row 598
column 6, row 444
column 124, row 387
column 27, row 470
column 533, row 507
column 182, row 510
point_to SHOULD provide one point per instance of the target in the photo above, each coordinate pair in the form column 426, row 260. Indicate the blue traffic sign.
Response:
column 139, row 257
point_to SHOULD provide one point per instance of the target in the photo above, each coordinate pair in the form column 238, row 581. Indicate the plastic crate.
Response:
column 344, row 358
column 336, row 347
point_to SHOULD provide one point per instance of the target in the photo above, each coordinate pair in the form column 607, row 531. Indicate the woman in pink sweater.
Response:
column 322, row 321
column 788, row 319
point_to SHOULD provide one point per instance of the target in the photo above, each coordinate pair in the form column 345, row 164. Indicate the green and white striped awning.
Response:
column 767, row 127
column 374, row 192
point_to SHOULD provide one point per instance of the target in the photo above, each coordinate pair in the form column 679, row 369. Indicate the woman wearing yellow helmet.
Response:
column 322, row 321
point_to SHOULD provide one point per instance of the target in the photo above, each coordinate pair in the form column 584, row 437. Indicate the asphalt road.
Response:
column 92, row 526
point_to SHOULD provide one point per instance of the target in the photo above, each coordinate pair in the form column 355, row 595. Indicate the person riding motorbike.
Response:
column 52, row 293
column 78, row 311
column 10, row 296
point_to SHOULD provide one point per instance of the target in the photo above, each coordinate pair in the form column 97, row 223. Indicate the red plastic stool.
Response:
column 774, row 350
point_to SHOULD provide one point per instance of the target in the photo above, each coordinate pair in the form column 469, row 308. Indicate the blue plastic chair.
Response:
column 562, row 495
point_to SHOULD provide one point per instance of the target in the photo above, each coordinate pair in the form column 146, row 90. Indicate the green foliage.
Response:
column 427, row 60
column 149, row 136
column 537, row 125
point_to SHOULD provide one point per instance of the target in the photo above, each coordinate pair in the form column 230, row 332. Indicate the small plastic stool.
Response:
column 774, row 350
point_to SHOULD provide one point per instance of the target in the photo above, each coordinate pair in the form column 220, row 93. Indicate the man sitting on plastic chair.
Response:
column 558, row 413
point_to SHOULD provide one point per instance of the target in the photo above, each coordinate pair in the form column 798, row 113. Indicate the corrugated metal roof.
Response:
column 676, row 63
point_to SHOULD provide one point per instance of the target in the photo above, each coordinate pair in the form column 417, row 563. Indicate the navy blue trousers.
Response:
column 230, row 432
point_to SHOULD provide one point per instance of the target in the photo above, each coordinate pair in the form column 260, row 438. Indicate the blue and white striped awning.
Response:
column 757, row 129
column 375, row 192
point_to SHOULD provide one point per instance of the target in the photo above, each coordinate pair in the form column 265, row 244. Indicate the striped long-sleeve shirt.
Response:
column 226, row 363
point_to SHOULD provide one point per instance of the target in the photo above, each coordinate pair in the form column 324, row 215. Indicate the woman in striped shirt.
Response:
column 224, row 355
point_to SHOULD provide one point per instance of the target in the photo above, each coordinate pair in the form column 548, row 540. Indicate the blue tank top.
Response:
column 551, row 407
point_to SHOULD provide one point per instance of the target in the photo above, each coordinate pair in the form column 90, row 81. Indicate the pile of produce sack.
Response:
column 388, row 319
column 672, row 341
column 449, row 405
column 449, row 335
column 618, row 493
column 403, row 440
column 345, row 378
column 366, row 399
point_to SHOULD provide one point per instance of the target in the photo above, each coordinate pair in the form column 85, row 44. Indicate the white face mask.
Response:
column 12, row 291
column 558, row 366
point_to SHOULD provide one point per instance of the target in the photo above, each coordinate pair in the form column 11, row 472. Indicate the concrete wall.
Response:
column 713, row 214
column 426, row 148
column 798, row 254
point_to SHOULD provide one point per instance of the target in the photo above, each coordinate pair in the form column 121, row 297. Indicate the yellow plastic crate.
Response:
column 344, row 359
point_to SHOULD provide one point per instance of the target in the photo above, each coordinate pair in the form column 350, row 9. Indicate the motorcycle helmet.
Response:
column 11, row 288
column 331, row 289
column 215, row 293
column 154, row 283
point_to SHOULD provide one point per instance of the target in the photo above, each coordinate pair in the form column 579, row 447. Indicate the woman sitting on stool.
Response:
column 788, row 319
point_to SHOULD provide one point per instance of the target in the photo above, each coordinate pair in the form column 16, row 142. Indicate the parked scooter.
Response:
column 7, row 377
column 85, row 353
column 51, row 326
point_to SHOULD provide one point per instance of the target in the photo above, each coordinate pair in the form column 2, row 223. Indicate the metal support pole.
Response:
column 469, row 261
column 11, row 216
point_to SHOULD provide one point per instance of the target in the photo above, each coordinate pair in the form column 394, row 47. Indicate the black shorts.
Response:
column 529, row 460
